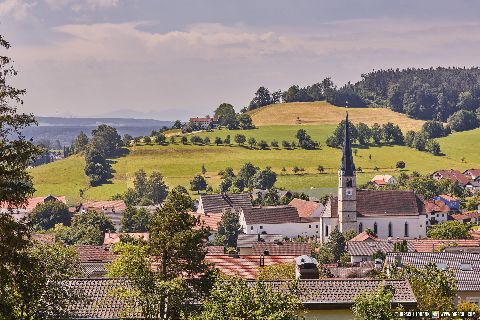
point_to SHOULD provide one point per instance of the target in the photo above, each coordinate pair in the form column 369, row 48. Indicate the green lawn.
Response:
column 178, row 163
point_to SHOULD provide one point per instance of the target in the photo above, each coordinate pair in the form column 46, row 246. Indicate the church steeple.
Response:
column 347, row 167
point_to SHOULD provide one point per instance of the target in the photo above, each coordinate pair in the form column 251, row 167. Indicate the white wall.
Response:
column 416, row 226
column 305, row 229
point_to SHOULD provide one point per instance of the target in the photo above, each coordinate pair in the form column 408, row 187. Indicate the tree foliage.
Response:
column 46, row 215
column 376, row 305
column 450, row 230
column 87, row 228
column 135, row 220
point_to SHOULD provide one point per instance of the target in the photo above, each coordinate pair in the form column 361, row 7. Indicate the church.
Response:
column 388, row 213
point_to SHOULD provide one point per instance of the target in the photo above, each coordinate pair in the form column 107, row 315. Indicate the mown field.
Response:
column 179, row 163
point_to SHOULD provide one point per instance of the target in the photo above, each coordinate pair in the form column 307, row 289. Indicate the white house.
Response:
column 383, row 180
column 203, row 123
column 282, row 220
column 388, row 213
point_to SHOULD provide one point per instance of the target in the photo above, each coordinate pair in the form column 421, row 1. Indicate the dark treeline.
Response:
column 441, row 94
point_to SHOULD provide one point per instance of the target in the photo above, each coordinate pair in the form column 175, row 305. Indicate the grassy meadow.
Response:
column 179, row 163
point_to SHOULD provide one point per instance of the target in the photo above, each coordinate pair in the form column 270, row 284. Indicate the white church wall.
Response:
column 416, row 226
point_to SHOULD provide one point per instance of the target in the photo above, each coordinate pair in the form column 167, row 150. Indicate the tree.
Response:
column 279, row 271
column 80, row 143
column 364, row 133
column 227, row 140
column 337, row 244
column 434, row 129
column 252, row 142
column 377, row 134
column 135, row 220
column 198, row 183
column 410, row 138
column 376, row 305
column 46, row 215
column 172, row 140
column 204, row 170
column 295, row 169
column 246, row 173
column 206, row 141
column 160, row 138
column 127, row 140
column 245, row 122
column 140, row 183
column 274, row 144
column 97, row 169
column 177, row 124
column 184, row 140
column 463, row 120
column 450, row 230
column 400, row 164
column 264, row 179
column 235, row 298
column 433, row 147
column 286, row 144
column 196, row 140
column 87, row 228
column 263, row 145
column 226, row 184
column 304, row 140
column 105, row 140
column 262, row 98
column 147, row 140
column 225, row 113
column 157, row 190
column 218, row 141
column 178, row 241
column 240, row 139
column 228, row 229
column 320, row 169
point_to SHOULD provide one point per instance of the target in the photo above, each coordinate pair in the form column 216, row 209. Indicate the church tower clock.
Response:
column 347, row 186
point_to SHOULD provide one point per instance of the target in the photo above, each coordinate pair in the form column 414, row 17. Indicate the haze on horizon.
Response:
column 174, row 59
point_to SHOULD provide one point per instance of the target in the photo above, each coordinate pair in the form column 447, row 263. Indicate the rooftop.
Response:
column 368, row 248
column 216, row 203
column 248, row 240
column 112, row 238
column 431, row 245
column 305, row 208
column 209, row 220
column 271, row 215
column 282, row 248
column 89, row 253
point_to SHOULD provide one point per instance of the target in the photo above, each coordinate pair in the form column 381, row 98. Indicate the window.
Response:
column 360, row 227
column 406, row 229
column 251, row 228
column 375, row 228
column 310, row 226
column 390, row 231
column 316, row 226
column 349, row 183
column 326, row 231
column 261, row 227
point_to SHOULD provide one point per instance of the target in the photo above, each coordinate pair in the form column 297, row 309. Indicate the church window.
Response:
column 390, row 231
column 375, row 228
column 326, row 231
column 349, row 183
column 406, row 229
column 360, row 227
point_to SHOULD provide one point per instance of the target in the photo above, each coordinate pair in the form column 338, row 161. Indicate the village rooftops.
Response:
column 112, row 238
column 114, row 206
column 209, row 220
column 280, row 248
column 368, row 248
column 98, row 302
column 271, row 215
column 432, row 245
column 473, row 173
column 453, row 175
column 364, row 236
column 89, row 253
column 31, row 204
column 248, row 240
column 371, row 203
column 216, row 203
column 432, row 206
column 465, row 266
column 305, row 208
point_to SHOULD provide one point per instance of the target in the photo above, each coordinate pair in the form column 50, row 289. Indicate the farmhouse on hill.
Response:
column 388, row 213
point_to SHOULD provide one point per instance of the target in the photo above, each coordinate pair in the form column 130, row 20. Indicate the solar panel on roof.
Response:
column 466, row 267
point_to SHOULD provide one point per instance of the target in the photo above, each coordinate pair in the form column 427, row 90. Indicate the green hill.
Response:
column 179, row 163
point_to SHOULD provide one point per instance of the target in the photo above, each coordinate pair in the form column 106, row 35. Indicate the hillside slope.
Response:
column 179, row 163
column 308, row 113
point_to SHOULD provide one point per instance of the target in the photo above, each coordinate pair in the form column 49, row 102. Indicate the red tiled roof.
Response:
column 200, row 119
column 33, row 202
column 245, row 266
column 283, row 248
column 112, row 238
column 88, row 253
column 430, row 245
column 215, row 250
column 305, row 208
column 43, row 238
column 271, row 215
column 384, row 202
column 466, row 215
column 380, row 182
column 436, row 206
column 115, row 205
column 453, row 175
column 216, row 203
column 475, row 172
column 210, row 220
column 363, row 236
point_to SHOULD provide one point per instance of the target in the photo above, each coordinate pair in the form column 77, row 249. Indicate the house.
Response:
column 112, row 238
column 473, row 216
column 435, row 245
column 473, row 186
column 364, row 236
column 381, row 180
column 388, row 213
column 202, row 123
column 361, row 251
column 245, row 242
column 210, row 221
column 21, row 212
column 216, row 203
column 453, row 175
column 452, row 202
column 436, row 212
column 465, row 268
column 113, row 209
column 278, row 220
column 322, row 299
column 472, row 173
column 93, row 260
column 307, row 208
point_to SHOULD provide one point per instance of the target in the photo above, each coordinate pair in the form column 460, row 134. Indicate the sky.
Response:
column 180, row 58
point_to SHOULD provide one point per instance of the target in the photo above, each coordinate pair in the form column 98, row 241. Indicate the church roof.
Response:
column 371, row 203
column 347, row 166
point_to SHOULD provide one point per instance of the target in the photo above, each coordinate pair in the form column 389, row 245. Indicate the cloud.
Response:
column 79, row 5
column 19, row 9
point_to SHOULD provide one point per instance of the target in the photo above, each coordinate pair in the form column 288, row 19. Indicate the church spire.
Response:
column 347, row 166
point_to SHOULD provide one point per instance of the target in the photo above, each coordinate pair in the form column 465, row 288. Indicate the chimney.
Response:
column 306, row 268
column 262, row 261
column 259, row 238
column 266, row 252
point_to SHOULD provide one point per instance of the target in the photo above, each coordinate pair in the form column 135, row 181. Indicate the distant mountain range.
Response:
column 66, row 129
